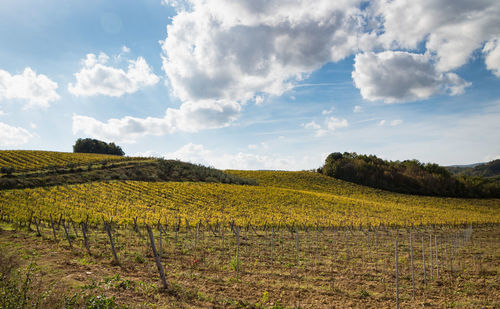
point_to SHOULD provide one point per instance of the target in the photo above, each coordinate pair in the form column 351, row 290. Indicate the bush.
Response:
column 89, row 145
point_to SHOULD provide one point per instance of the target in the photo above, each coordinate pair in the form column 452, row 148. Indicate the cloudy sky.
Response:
column 254, row 84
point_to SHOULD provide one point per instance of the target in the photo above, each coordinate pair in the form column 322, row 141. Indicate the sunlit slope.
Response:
column 168, row 201
column 308, row 181
column 315, row 182
column 34, row 159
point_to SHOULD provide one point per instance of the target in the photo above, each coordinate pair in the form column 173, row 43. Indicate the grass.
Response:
column 354, row 270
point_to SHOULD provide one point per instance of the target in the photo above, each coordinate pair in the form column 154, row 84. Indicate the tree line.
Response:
column 409, row 176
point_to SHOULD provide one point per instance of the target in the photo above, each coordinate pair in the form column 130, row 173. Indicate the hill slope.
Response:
column 409, row 176
column 490, row 170
column 279, row 198
column 294, row 198
column 25, row 160
column 56, row 168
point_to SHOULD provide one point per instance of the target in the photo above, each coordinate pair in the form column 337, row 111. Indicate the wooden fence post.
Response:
column 37, row 228
column 430, row 256
column 53, row 228
column 423, row 259
column 412, row 267
column 237, row 253
column 85, row 239
column 108, row 231
column 297, row 243
column 397, row 273
column 157, row 259
column 66, row 232
column 272, row 245
column 437, row 257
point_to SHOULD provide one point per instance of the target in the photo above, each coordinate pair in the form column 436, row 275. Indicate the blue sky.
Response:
column 254, row 84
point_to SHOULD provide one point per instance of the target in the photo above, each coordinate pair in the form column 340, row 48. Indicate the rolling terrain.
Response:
column 235, row 239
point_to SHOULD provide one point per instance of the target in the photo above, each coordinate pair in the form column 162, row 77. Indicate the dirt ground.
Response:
column 348, row 268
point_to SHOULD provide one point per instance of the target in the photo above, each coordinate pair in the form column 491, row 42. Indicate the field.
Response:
column 23, row 160
column 295, row 240
column 303, row 198
column 315, row 268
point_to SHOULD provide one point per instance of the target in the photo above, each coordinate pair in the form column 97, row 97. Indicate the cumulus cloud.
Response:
column 491, row 51
column 234, row 49
column 333, row 123
column 197, row 153
column 328, row 111
column 190, row 117
column 13, row 136
column 330, row 125
column 36, row 90
column 357, row 109
column 450, row 29
column 246, row 50
column 394, row 76
column 311, row 125
column 96, row 78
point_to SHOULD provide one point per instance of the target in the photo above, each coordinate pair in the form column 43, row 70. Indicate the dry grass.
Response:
column 345, row 269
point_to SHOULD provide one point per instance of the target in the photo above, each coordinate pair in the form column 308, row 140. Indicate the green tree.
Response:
column 89, row 145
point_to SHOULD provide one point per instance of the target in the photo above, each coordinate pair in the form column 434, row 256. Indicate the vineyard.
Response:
column 23, row 160
column 303, row 198
column 295, row 240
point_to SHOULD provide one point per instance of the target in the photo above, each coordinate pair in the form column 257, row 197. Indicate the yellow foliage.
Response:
column 303, row 198
column 34, row 159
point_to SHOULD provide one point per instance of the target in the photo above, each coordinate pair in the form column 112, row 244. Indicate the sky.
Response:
column 254, row 84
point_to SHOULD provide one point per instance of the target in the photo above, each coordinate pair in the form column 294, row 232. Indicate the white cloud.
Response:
column 125, row 49
column 333, row 123
column 396, row 122
column 13, row 136
column 357, row 109
column 37, row 90
column 402, row 76
column 197, row 153
column 450, row 29
column 491, row 51
column 311, row 125
column 189, row 117
column 382, row 122
column 234, row 49
column 95, row 78
column 318, row 131
column 328, row 111
column 2, row 112
column 259, row 100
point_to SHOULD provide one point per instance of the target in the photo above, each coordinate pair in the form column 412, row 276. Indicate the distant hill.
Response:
column 30, row 169
column 414, row 177
column 490, row 169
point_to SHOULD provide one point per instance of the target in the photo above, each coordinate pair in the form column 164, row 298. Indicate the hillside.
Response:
column 26, row 160
column 289, row 237
column 490, row 170
column 31, row 169
column 281, row 197
column 164, row 189
column 410, row 176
